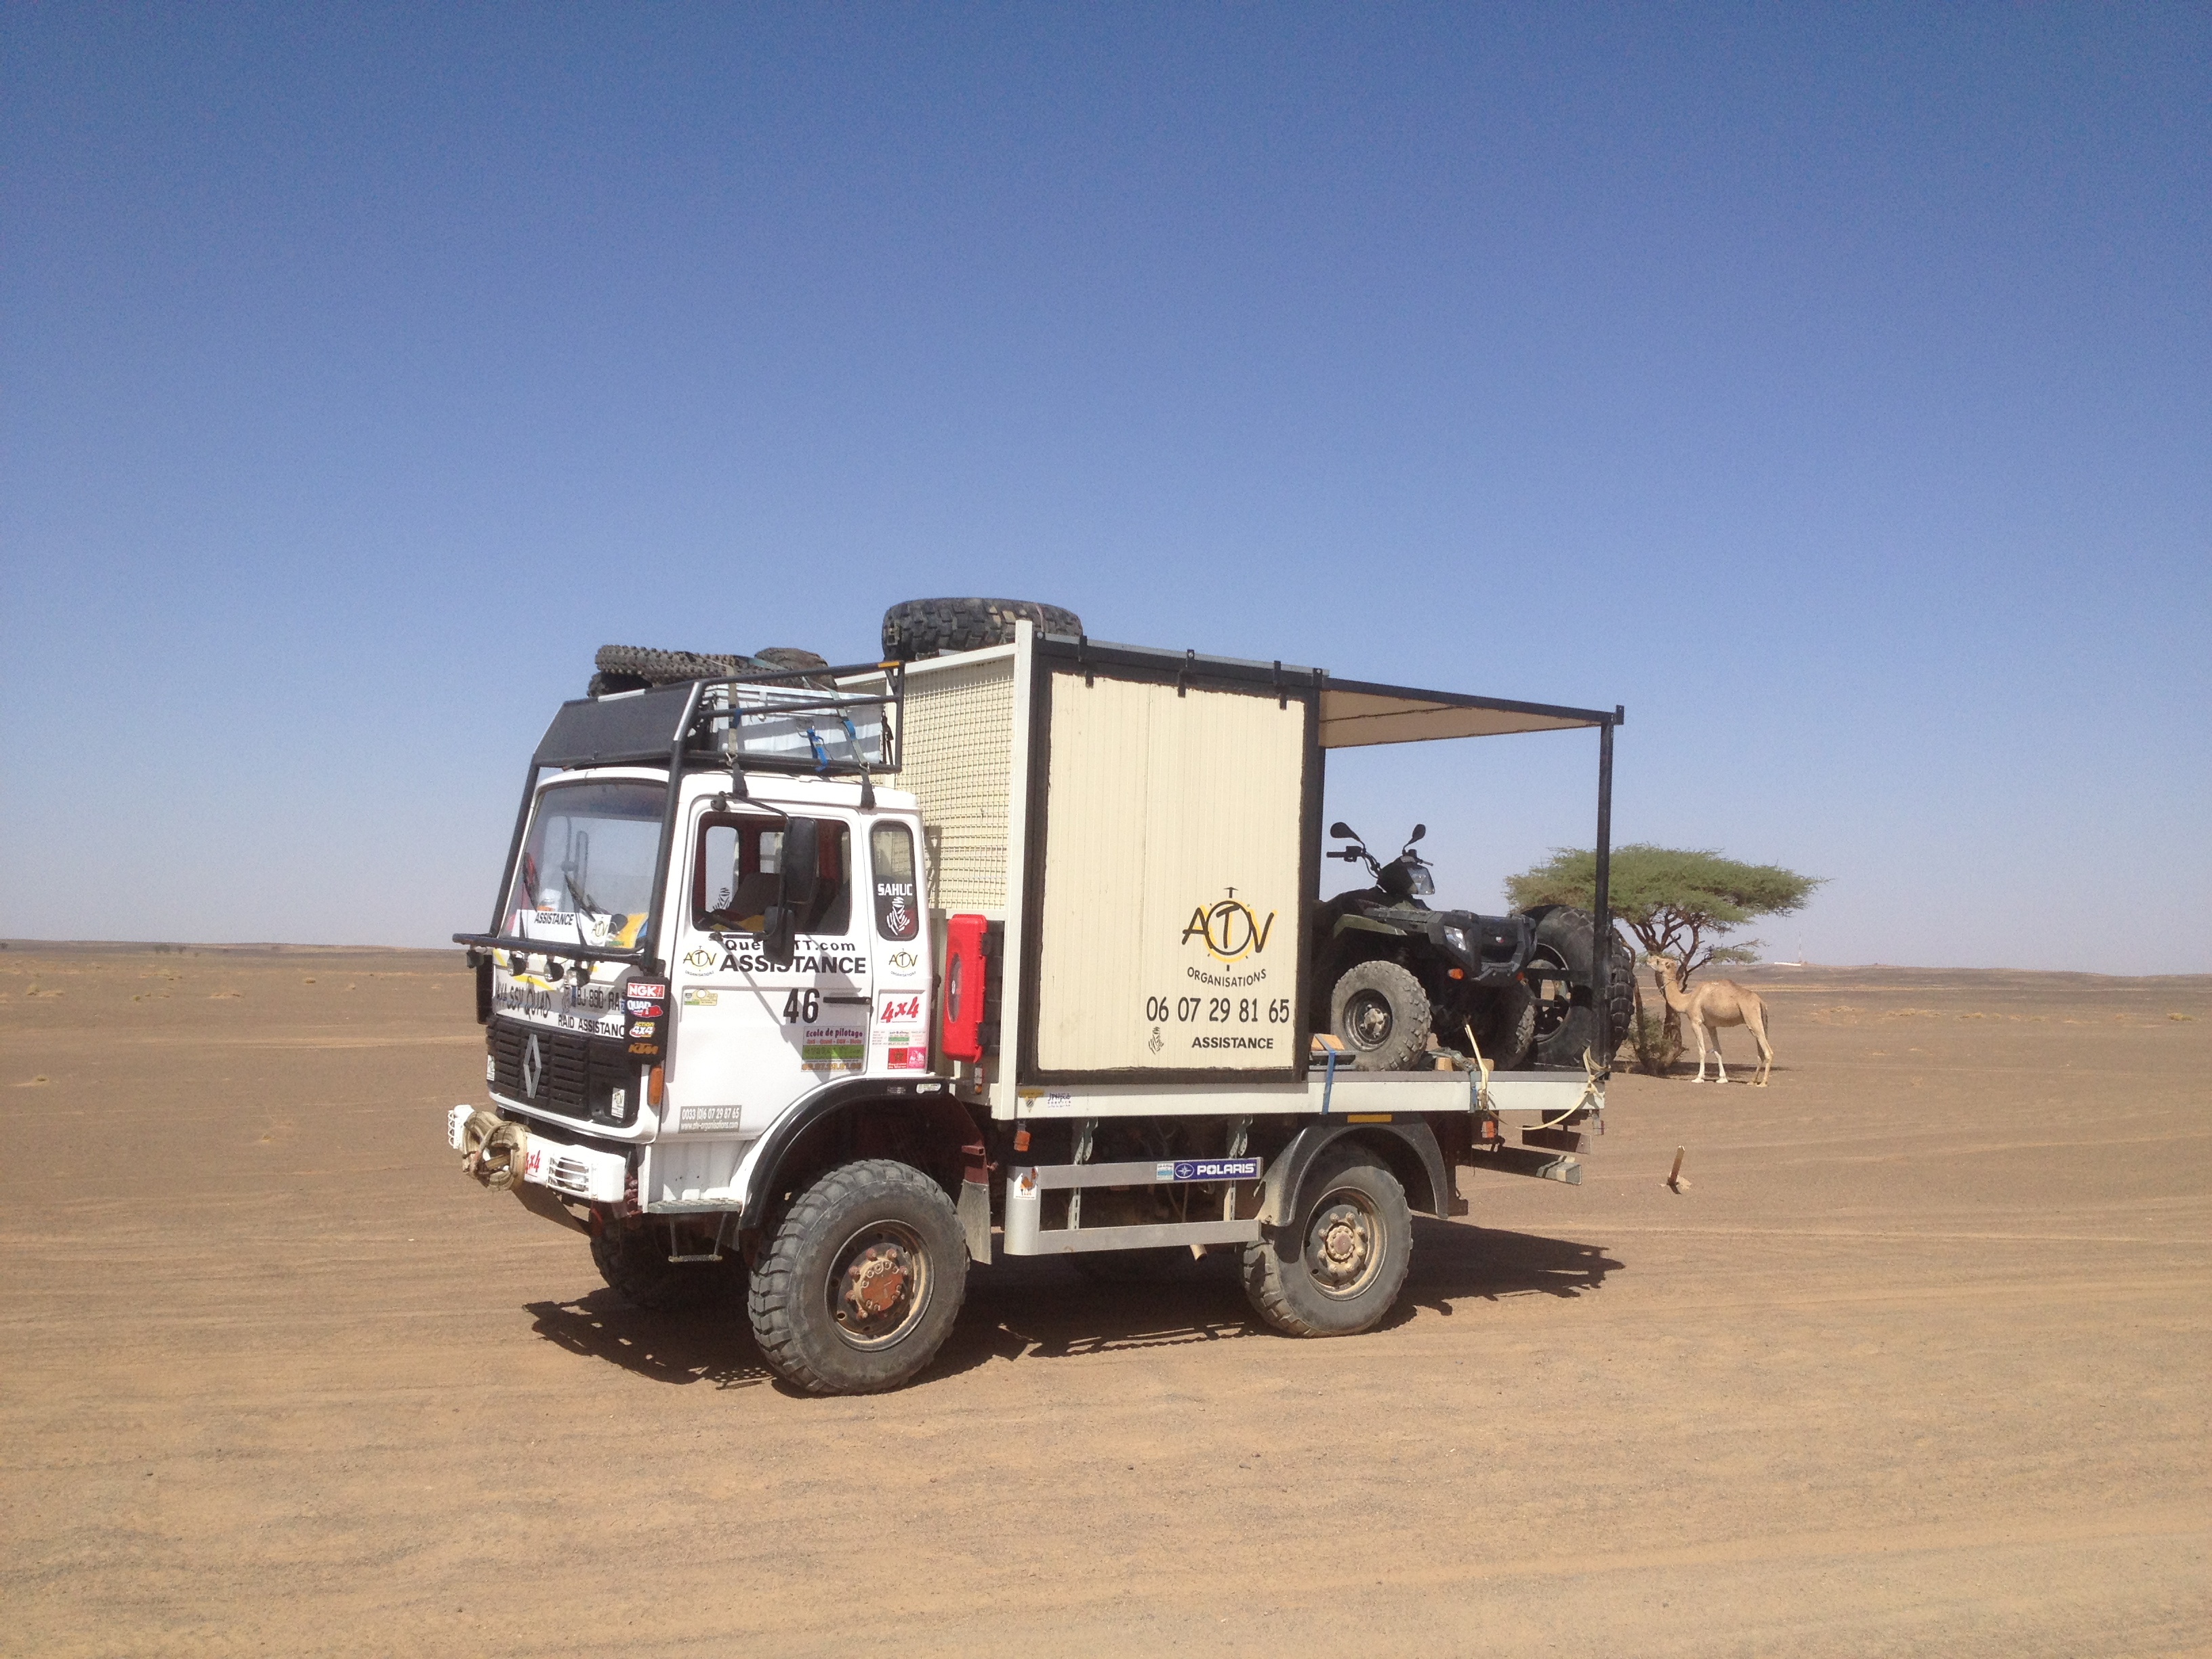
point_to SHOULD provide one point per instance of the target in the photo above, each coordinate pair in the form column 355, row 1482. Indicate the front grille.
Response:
column 576, row 1075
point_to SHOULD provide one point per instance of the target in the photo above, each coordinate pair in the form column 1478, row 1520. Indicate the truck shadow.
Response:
column 1025, row 1309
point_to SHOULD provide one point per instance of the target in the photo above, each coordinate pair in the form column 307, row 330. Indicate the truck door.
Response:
column 750, row 1036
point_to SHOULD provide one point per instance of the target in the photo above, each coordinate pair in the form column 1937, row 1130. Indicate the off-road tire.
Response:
column 789, row 659
column 922, row 628
column 1380, row 1013
column 1562, row 1040
column 632, row 1256
column 1280, row 1280
column 1508, row 1034
column 671, row 667
column 792, row 1302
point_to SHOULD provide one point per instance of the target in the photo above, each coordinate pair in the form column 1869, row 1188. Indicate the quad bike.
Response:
column 1391, row 973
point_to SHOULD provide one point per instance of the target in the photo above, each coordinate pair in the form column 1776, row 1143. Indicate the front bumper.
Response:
column 573, row 1171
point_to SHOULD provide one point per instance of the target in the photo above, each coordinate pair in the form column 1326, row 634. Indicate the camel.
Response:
column 1712, row 1004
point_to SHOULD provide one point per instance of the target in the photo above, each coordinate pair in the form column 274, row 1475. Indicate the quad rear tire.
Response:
column 1509, row 1037
column 1336, row 1268
column 1566, row 1031
column 1380, row 1013
column 860, row 1281
column 632, row 1256
column 922, row 628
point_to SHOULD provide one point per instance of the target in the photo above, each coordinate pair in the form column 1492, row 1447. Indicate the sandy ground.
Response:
column 1918, row 1364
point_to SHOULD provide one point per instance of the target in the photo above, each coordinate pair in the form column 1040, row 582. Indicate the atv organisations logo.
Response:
column 1232, row 930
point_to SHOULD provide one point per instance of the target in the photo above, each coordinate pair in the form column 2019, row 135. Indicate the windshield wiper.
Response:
column 576, row 892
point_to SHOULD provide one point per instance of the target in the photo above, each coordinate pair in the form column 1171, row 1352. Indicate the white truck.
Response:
column 842, row 979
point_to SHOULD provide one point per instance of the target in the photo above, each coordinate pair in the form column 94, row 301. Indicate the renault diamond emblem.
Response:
column 532, row 1064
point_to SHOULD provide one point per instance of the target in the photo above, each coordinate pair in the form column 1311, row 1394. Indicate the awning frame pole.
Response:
column 1601, row 901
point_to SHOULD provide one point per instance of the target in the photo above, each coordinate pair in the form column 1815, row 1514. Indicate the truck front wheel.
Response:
column 1337, row 1266
column 862, row 1280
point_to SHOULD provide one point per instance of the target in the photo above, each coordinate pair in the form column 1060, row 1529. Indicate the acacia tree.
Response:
column 1678, row 901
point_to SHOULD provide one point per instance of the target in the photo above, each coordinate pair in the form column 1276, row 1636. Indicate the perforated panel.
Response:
column 955, row 758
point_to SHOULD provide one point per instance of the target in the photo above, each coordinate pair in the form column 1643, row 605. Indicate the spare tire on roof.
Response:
column 789, row 659
column 922, row 628
column 632, row 667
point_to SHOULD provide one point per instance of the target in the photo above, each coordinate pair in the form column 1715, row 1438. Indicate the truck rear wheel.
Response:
column 1379, row 1011
column 632, row 1256
column 922, row 628
column 1337, row 1268
column 860, row 1283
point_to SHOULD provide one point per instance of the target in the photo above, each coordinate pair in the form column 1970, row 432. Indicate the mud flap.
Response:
column 975, row 1220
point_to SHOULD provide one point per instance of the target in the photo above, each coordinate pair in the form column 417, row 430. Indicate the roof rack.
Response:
column 786, row 721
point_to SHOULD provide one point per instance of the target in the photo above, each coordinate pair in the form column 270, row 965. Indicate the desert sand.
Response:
column 1917, row 1363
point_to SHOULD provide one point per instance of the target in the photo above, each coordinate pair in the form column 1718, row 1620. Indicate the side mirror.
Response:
column 799, row 866
column 779, row 935
column 1420, row 830
column 1341, row 828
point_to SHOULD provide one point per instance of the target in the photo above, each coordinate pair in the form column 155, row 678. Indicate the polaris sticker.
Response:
column 1208, row 1168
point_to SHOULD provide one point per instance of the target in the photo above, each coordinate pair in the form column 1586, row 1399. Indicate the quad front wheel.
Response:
column 1336, row 1264
column 1380, row 1013
column 860, row 1281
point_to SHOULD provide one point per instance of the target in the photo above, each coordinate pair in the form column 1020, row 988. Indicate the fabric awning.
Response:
column 1354, row 714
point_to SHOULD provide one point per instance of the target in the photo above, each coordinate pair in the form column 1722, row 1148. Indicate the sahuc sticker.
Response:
column 896, row 915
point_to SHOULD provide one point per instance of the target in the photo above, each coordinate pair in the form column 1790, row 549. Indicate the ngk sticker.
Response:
column 896, row 1009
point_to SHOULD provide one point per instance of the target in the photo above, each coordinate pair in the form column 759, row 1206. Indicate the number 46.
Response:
column 802, row 1008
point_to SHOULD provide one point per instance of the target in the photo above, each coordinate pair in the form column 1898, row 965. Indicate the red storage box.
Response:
column 966, row 975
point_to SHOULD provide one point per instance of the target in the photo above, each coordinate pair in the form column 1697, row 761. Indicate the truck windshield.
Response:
column 585, row 874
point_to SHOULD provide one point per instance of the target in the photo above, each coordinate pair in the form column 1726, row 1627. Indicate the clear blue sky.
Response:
column 1832, row 386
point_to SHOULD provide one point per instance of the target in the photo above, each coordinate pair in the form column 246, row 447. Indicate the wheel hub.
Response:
column 1342, row 1247
column 1369, row 1017
column 874, row 1283
column 879, row 1286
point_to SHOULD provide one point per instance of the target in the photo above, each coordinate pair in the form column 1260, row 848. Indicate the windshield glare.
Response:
column 585, row 874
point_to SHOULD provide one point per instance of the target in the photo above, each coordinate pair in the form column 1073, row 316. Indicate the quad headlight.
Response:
column 1457, row 939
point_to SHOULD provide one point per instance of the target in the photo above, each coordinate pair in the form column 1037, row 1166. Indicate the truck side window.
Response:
column 890, row 847
column 733, row 876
